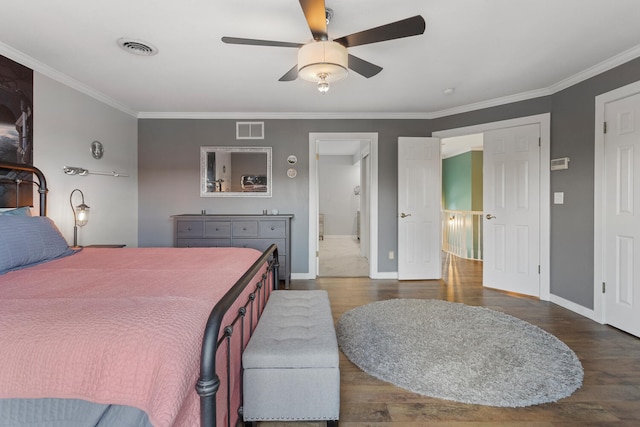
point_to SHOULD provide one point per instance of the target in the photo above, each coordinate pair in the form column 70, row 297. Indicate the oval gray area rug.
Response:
column 459, row 352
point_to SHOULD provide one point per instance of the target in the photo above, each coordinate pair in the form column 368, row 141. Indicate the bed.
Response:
column 128, row 336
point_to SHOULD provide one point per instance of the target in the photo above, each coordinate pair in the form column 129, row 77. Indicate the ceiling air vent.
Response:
column 137, row 47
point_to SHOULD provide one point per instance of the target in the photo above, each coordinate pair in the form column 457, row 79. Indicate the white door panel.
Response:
column 622, row 221
column 419, row 194
column 511, row 206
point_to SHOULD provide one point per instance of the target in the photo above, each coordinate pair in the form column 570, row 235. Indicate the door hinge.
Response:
column 538, row 269
column 539, row 142
column 317, row 254
column 604, row 287
column 317, row 156
column 604, row 127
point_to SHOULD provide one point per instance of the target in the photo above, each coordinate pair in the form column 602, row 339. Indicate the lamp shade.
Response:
column 325, row 59
column 81, row 214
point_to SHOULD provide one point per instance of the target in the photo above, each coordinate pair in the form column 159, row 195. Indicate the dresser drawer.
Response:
column 217, row 229
column 261, row 244
column 245, row 228
column 203, row 243
column 273, row 229
column 189, row 229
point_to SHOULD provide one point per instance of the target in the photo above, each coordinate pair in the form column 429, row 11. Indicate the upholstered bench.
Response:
column 290, row 365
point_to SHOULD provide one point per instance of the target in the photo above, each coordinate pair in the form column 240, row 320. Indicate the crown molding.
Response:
column 600, row 68
column 44, row 69
column 281, row 116
column 491, row 103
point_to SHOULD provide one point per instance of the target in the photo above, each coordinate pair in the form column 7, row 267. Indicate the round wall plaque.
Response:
column 291, row 173
column 97, row 150
column 292, row 160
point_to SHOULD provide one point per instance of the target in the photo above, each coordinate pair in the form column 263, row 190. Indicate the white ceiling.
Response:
column 490, row 51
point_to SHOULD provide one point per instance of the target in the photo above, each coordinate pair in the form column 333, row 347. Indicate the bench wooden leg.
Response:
column 250, row 424
column 332, row 423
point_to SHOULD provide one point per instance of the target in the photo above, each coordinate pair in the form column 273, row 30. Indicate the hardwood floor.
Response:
column 610, row 394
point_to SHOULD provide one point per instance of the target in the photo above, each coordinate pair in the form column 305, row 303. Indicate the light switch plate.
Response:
column 558, row 198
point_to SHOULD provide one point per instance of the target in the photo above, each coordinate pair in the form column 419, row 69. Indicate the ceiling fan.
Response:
column 323, row 60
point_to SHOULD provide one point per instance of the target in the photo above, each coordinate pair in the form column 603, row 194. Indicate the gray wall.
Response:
column 572, row 226
column 168, row 174
column 572, row 135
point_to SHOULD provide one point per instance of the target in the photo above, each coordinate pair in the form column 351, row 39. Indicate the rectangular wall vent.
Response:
column 249, row 130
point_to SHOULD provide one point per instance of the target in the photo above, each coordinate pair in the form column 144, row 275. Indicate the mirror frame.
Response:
column 204, row 150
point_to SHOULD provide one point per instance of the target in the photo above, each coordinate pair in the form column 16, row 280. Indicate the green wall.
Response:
column 456, row 182
column 462, row 182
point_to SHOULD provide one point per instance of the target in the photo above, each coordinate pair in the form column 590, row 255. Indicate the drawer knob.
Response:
column 244, row 228
column 188, row 228
column 272, row 228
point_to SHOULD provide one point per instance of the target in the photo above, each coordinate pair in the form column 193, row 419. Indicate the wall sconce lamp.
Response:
column 80, row 215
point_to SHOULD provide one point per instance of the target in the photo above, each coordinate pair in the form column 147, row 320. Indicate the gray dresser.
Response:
column 243, row 231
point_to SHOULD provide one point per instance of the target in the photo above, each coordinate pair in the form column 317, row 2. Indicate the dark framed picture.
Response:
column 16, row 130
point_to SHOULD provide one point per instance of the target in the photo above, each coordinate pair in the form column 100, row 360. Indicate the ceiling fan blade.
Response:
column 362, row 67
column 291, row 75
column 255, row 42
column 314, row 11
column 396, row 30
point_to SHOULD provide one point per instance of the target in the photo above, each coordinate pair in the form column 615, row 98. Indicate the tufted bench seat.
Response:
column 291, row 362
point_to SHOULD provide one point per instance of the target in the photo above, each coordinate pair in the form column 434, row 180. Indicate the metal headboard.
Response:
column 17, row 176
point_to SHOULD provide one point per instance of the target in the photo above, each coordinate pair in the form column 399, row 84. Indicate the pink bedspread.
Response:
column 120, row 326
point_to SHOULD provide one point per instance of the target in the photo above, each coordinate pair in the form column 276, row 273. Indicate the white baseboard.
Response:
column 576, row 308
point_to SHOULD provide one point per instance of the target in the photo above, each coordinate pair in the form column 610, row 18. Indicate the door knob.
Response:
column 404, row 215
column 489, row 216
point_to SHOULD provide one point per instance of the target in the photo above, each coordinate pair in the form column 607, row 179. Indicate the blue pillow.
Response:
column 29, row 240
column 23, row 211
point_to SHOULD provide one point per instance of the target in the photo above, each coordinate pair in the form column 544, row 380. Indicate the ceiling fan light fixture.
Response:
column 323, row 62
column 323, row 84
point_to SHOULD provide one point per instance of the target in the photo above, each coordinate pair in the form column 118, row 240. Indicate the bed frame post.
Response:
column 209, row 382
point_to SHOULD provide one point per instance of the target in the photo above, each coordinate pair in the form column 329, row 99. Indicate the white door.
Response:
column 622, row 222
column 511, row 194
column 419, row 194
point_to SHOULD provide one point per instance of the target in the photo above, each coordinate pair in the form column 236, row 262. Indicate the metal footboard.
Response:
column 209, row 381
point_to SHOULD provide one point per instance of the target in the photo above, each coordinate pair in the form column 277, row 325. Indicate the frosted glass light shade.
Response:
column 82, row 215
column 323, row 58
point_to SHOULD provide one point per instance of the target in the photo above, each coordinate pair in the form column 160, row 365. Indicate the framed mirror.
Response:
column 235, row 171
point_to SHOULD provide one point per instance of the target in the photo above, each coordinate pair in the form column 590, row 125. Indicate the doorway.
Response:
column 462, row 194
column 341, row 173
column 543, row 234
column 366, row 200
